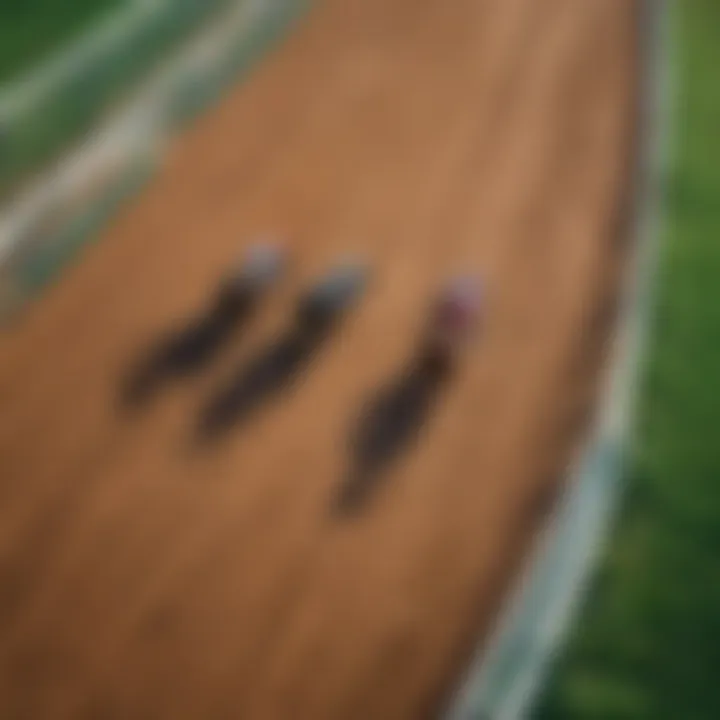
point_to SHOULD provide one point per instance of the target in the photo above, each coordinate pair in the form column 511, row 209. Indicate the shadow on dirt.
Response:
column 389, row 426
column 268, row 374
column 189, row 350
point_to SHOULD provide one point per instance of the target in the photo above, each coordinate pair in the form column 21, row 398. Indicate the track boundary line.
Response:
column 507, row 673
column 132, row 141
column 18, row 96
column 49, row 105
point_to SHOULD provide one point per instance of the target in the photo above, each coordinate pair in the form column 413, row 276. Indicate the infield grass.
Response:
column 65, row 111
column 31, row 30
column 647, row 645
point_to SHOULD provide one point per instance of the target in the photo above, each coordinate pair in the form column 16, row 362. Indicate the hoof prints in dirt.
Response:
column 390, row 425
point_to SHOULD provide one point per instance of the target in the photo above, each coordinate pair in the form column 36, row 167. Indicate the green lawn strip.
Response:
column 647, row 644
column 75, row 105
column 40, row 263
column 31, row 30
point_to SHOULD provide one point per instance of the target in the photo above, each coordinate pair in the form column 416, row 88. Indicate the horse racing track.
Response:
column 145, row 574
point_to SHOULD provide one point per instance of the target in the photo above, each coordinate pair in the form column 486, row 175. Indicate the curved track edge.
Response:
column 73, row 201
column 506, row 674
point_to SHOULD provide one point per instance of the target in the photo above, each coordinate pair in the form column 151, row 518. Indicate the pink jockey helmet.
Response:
column 460, row 306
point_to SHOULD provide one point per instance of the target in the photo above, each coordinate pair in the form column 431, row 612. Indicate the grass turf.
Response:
column 31, row 30
column 647, row 644
column 75, row 104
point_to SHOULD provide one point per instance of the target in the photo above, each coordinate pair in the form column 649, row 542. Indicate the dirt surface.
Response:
column 142, row 576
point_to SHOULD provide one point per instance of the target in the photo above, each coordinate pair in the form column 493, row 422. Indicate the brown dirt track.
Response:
column 141, row 580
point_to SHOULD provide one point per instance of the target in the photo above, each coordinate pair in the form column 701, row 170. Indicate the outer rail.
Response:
column 55, row 217
column 506, row 675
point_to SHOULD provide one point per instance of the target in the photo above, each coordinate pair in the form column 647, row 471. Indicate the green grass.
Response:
column 31, row 30
column 34, row 267
column 75, row 105
column 647, row 645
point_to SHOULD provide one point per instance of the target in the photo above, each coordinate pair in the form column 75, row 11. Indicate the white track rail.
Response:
column 135, row 131
column 509, row 671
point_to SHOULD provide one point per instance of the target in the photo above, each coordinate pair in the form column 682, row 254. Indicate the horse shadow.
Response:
column 188, row 351
column 390, row 425
column 269, row 373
